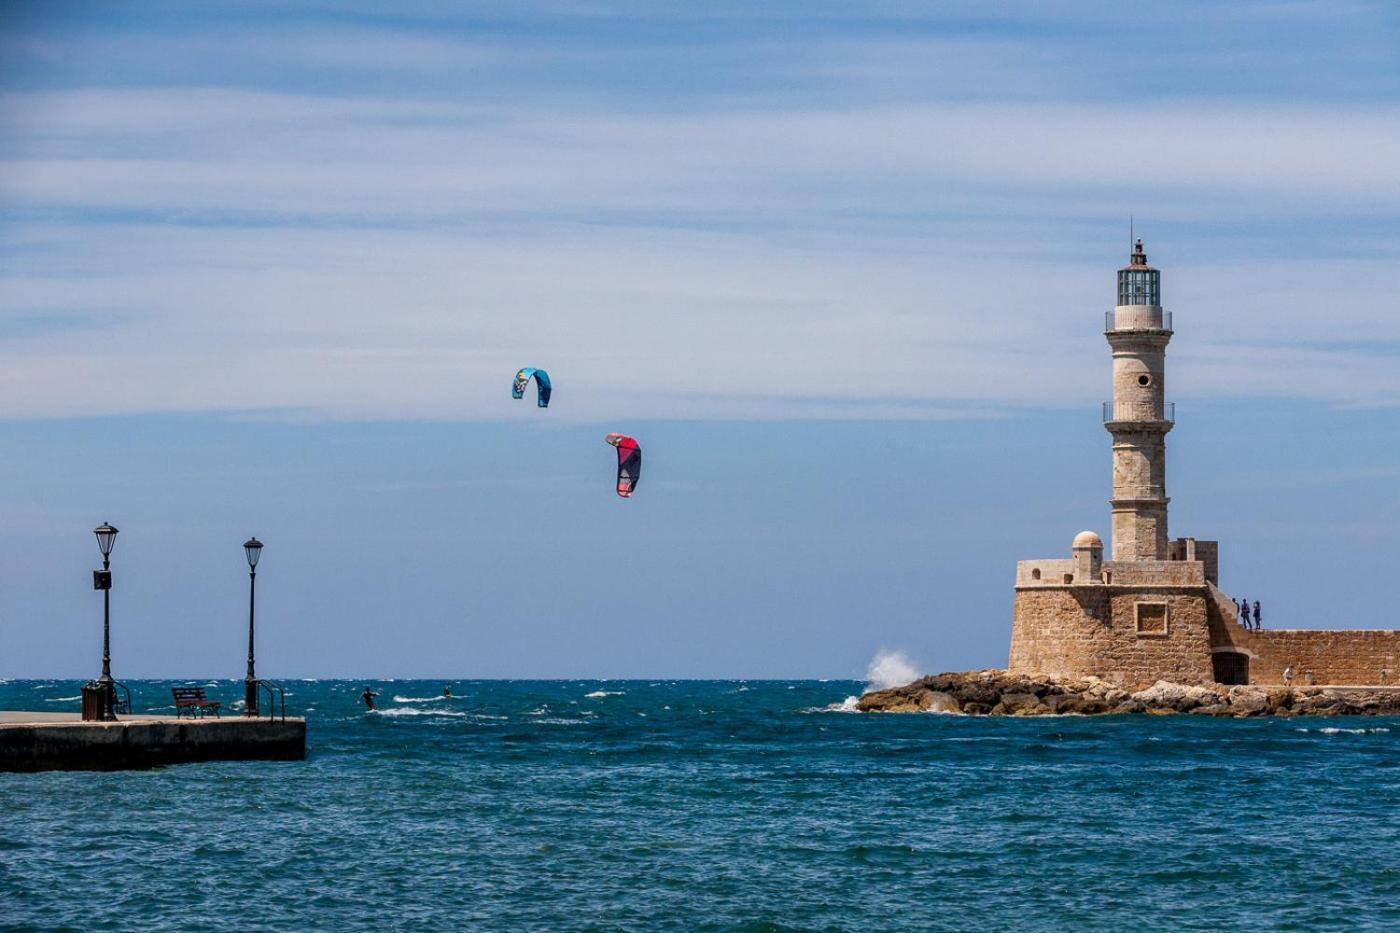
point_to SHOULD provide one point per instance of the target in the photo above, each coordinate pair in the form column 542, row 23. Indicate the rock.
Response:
column 1319, row 705
column 885, row 701
column 1084, row 704
column 980, row 693
column 1248, row 700
column 1013, row 703
column 936, row 701
column 1178, row 697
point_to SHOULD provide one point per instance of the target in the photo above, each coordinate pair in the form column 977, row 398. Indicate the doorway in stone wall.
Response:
column 1231, row 667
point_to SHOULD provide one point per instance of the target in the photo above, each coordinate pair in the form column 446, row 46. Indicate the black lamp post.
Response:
column 253, row 548
column 100, row 697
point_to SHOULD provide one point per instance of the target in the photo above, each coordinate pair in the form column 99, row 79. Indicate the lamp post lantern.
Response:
column 253, row 549
column 100, row 697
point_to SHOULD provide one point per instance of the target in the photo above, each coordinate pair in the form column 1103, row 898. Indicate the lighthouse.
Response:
column 1138, row 417
column 1155, row 610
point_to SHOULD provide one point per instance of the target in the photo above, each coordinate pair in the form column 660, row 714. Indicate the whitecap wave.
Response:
column 1334, row 730
column 847, row 705
column 599, row 694
column 436, row 699
column 63, row 699
column 412, row 711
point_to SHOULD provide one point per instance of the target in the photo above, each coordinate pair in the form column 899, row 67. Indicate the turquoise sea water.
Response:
column 645, row 805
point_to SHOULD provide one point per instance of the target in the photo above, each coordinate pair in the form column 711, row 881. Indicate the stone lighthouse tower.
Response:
column 1155, row 610
column 1138, row 330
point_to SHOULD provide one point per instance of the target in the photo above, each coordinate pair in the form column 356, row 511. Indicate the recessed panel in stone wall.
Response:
column 1152, row 619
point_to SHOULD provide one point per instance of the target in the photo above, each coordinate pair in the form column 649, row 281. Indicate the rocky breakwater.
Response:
column 997, row 693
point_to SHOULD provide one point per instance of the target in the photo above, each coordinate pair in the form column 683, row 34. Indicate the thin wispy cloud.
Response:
column 368, row 217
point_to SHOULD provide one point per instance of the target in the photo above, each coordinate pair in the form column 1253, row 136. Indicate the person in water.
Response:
column 368, row 696
column 446, row 692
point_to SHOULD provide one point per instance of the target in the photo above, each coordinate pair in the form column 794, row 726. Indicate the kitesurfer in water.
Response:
column 446, row 692
column 368, row 696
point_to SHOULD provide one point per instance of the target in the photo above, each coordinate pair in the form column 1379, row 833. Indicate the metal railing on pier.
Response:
column 276, row 701
column 1139, row 411
column 121, row 698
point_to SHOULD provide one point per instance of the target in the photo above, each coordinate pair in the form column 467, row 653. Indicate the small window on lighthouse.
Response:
column 1144, row 380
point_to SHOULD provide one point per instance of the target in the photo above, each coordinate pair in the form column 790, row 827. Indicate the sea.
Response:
column 711, row 805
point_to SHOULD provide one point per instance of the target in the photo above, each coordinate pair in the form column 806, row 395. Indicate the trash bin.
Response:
column 97, row 701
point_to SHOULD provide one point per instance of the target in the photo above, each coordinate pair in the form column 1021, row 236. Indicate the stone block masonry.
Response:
column 1126, row 635
column 1318, row 656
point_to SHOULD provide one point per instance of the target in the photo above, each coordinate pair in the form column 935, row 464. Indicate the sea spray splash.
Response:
column 887, row 669
column 890, row 669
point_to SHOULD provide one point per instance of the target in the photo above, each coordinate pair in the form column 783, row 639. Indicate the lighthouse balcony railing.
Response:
column 1139, row 411
column 1137, row 317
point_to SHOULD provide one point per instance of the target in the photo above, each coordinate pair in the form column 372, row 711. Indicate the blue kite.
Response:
column 522, row 379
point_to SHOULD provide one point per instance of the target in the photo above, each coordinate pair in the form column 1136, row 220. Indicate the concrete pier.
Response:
column 37, row 741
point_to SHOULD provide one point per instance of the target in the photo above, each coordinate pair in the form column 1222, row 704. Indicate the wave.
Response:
column 847, row 705
column 399, row 699
column 63, row 699
column 599, row 694
column 411, row 711
column 1333, row 730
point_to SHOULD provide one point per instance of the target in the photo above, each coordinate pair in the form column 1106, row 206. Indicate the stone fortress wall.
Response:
column 1074, row 631
column 1369, row 657
column 1139, row 629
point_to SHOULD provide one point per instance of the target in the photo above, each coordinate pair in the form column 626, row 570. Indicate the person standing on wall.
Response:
column 1257, row 623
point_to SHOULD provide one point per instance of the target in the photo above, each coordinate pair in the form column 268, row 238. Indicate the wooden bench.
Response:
column 194, row 700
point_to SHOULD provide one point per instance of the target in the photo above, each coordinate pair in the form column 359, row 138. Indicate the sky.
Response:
column 268, row 268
